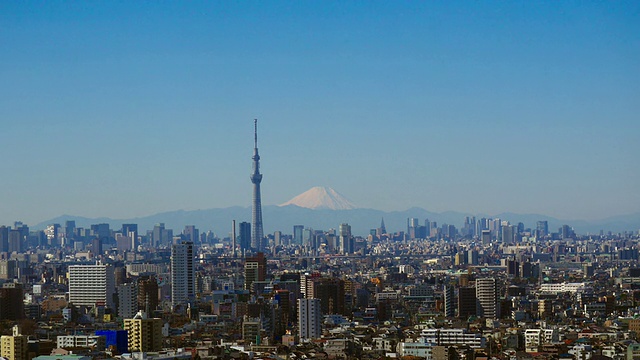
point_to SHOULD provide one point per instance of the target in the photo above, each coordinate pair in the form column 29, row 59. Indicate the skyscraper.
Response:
column 91, row 284
column 346, row 240
column 245, row 236
column 256, row 178
column 467, row 302
column 487, row 295
column 309, row 319
column 255, row 269
column 182, row 274
column 449, row 310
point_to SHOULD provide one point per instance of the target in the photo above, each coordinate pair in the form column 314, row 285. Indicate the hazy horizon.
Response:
column 131, row 109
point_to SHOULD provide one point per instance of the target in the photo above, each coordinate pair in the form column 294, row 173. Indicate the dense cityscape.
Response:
column 488, row 289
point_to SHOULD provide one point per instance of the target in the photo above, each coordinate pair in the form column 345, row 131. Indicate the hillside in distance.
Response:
column 283, row 218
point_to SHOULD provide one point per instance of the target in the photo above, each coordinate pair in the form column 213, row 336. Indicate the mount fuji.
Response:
column 323, row 198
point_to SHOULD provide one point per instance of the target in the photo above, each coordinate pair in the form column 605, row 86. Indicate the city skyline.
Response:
column 126, row 110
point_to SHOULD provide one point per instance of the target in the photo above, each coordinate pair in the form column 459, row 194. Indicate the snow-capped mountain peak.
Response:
column 320, row 197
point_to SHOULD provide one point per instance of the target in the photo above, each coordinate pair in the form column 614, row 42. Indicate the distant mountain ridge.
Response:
column 283, row 218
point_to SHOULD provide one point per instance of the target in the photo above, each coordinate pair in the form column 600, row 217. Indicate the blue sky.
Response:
column 125, row 109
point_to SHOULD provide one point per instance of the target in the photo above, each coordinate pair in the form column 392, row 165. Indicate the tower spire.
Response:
column 255, row 134
column 256, row 215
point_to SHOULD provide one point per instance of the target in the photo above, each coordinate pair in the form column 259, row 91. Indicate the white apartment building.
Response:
column 452, row 337
column 309, row 319
column 534, row 338
column 563, row 288
column 91, row 284
column 419, row 349
column 84, row 341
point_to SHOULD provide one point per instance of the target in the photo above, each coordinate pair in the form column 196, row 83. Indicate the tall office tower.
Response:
column 309, row 319
column 144, row 334
column 255, row 269
column 191, row 233
column 69, row 229
column 4, row 239
column 183, row 283
column 96, row 246
column 14, row 347
column 52, row 234
column 157, row 234
column 297, row 234
column 508, row 234
column 486, row 237
column 472, row 257
column 101, row 231
column 307, row 237
column 449, row 310
column 15, row 241
column 256, row 178
column 411, row 223
column 487, row 295
column 124, row 243
column 542, row 228
column 245, row 236
column 131, row 231
column 127, row 300
column 383, row 229
column 466, row 302
column 277, row 238
column 234, row 244
column 346, row 240
column 91, row 284
column 147, row 294
column 565, row 231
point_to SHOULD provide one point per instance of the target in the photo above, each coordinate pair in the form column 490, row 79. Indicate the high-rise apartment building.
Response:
column 91, row 284
column 487, row 295
column 144, row 334
column 255, row 269
column 14, row 347
column 330, row 291
column 183, row 274
column 11, row 301
column 127, row 300
column 309, row 319
column 449, row 303
column 147, row 294
column 466, row 302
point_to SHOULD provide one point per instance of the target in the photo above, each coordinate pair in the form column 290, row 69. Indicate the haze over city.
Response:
column 130, row 109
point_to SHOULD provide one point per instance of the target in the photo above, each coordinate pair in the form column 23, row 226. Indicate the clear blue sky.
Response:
column 130, row 108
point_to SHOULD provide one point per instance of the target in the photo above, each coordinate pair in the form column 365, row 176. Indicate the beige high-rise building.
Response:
column 14, row 347
column 144, row 334
column 488, row 300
